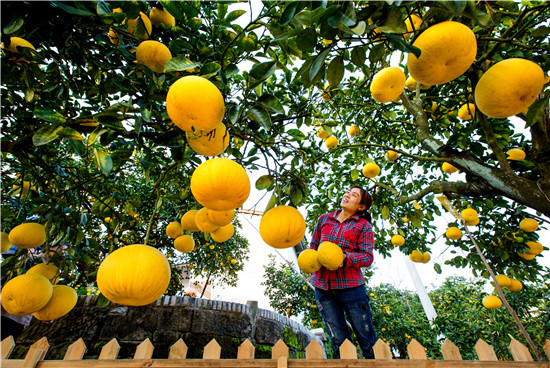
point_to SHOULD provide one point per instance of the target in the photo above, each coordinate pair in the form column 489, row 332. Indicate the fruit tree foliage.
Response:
column 87, row 126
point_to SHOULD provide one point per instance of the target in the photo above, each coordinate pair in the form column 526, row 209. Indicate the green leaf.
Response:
column 180, row 63
column 46, row 135
column 394, row 22
column 262, row 71
column 402, row 45
column 318, row 63
column 541, row 31
column 49, row 115
column 70, row 133
column 354, row 174
column 14, row 25
column 265, row 182
column 272, row 202
column 335, row 72
column 437, row 268
column 306, row 40
column 385, row 213
column 360, row 28
column 296, row 134
column 103, row 161
column 222, row 9
column 296, row 196
column 377, row 52
column 358, row 56
column 259, row 114
column 79, row 10
column 289, row 12
column 209, row 69
column 536, row 110
column 102, row 300
column 234, row 15
column 92, row 138
column 271, row 102
column 103, row 8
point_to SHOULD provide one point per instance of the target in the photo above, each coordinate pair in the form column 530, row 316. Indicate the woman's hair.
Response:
column 366, row 199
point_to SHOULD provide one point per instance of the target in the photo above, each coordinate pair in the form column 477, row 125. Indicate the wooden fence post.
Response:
column 416, row 351
column 520, row 353
column 381, row 350
column 348, row 350
column 144, row 350
column 279, row 350
column 212, row 351
column 7, row 347
column 546, row 348
column 109, row 350
column 314, row 350
column 41, row 345
column 450, row 351
column 178, row 350
column 246, row 350
column 76, row 350
column 485, row 351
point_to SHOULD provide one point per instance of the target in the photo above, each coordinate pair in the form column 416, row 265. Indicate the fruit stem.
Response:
column 501, row 295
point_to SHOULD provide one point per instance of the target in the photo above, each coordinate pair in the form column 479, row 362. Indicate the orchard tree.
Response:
column 89, row 150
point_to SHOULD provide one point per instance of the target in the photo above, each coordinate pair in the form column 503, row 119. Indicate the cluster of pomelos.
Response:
column 328, row 255
column 35, row 292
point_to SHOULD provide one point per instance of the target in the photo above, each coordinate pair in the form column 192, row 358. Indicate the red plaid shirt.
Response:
column 356, row 239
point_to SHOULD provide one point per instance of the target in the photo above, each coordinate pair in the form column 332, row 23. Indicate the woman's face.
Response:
column 351, row 201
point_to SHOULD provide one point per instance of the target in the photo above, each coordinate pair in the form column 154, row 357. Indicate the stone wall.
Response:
column 196, row 321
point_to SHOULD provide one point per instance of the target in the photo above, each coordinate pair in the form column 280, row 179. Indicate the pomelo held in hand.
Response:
column 308, row 262
column 330, row 255
column 282, row 227
column 134, row 275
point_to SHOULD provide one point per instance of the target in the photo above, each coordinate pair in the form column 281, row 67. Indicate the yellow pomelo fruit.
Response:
column 26, row 294
column 322, row 133
column 397, row 240
column 426, row 257
column 474, row 222
column 492, row 302
column 515, row 154
column 221, row 218
column 131, row 25
column 508, row 87
column 153, row 54
column 528, row 225
column 503, row 280
column 184, row 243
column 223, row 233
column 331, row 142
column 416, row 256
column 448, row 168
column 410, row 83
column 526, row 256
column 330, row 255
column 63, row 300
column 28, row 235
column 308, row 262
column 467, row 111
column 413, row 20
column 447, row 51
column 134, row 275
column 195, row 103
column 387, row 84
column 5, row 242
column 453, row 233
column 174, row 229
column 534, row 247
column 188, row 221
column 406, row 219
column 204, row 225
column 469, row 215
column 158, row 17
column 515, row 285
column 220, row 184
column 391, row 155
column 48, row 270
column 371, row 170
column 354, row 130
column 282, row 227
column 16, row 42
column 211, row 143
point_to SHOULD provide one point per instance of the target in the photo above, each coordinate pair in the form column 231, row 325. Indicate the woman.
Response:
column 342, row 290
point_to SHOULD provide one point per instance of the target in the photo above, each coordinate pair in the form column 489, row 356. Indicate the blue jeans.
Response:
column 355, row 303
